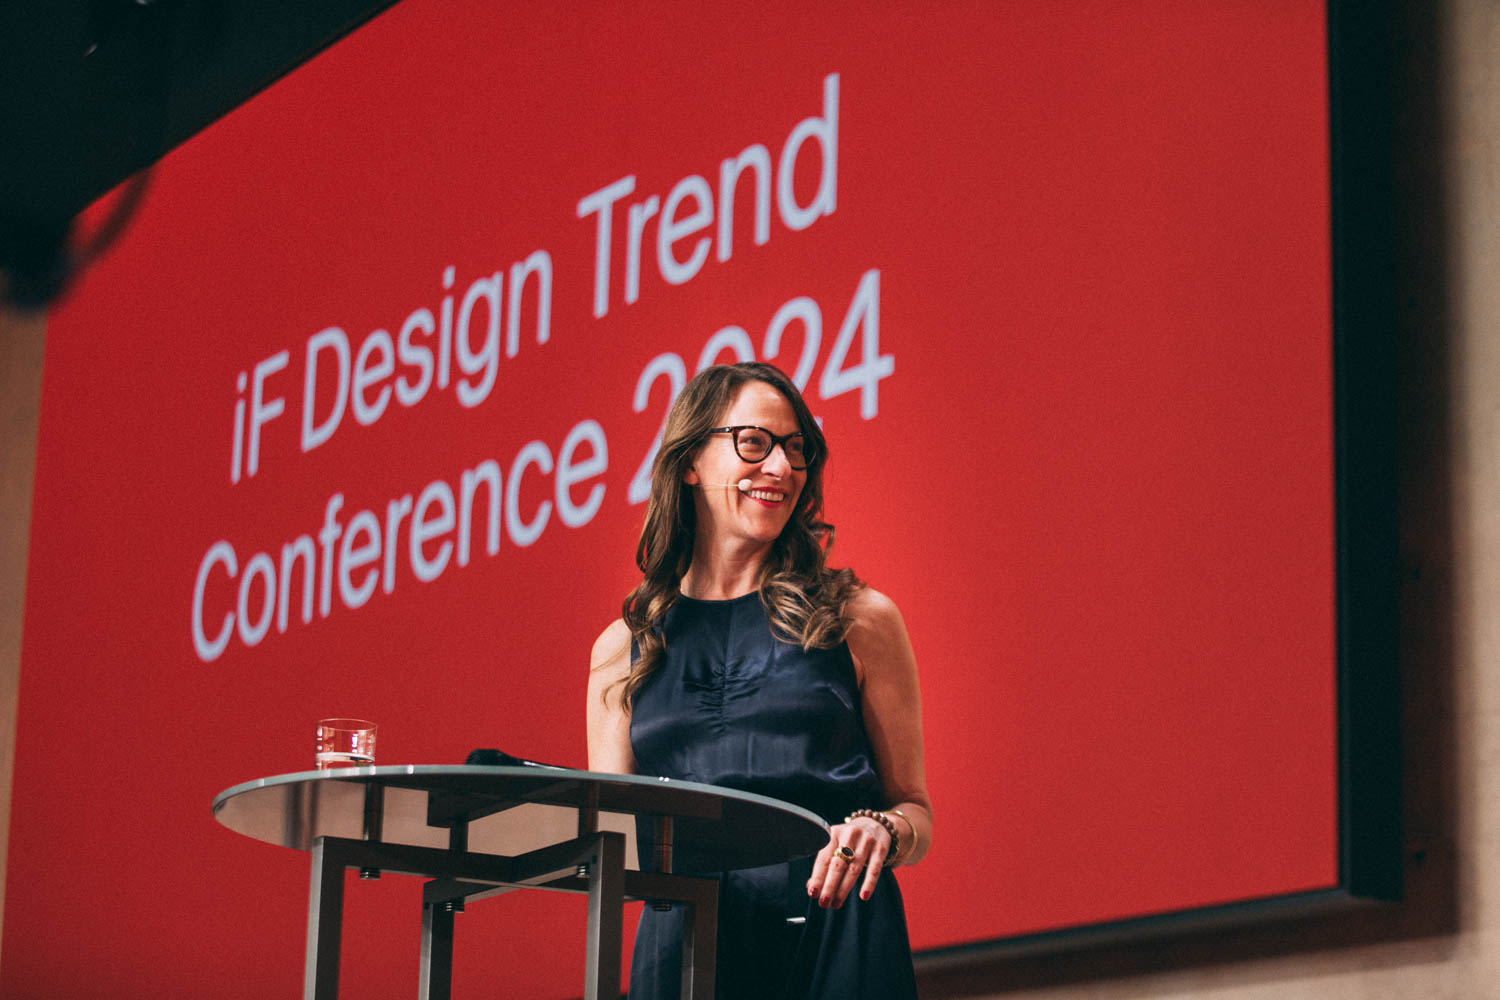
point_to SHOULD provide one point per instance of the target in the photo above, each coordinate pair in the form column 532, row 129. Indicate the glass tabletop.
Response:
column 512, row 810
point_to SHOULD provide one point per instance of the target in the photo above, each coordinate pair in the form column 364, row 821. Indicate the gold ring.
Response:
column 846, row 853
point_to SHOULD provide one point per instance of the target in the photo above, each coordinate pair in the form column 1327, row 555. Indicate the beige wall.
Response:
column 20, row 390
column 1445, row 940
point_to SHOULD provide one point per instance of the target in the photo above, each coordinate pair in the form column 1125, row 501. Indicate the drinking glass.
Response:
column 344, row 743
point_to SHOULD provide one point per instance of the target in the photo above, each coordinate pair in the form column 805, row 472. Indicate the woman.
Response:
column 742, row 660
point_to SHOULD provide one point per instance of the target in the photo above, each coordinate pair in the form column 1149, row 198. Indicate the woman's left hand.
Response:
column 854, row 855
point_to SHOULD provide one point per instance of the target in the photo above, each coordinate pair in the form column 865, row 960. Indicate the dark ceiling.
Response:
column 91, row 91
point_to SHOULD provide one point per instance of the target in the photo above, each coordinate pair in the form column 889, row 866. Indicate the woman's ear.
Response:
column 690, row 476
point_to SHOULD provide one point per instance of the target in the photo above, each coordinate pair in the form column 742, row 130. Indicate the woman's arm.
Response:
column 608, row 722
column 891, row 697
column 887, row 670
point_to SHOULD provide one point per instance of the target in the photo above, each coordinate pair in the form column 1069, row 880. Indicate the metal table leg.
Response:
column 325, row 919
column 436, row 981
column 605, row 922
column 699, row 942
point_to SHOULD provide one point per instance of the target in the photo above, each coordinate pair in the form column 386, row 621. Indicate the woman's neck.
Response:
column 721, row 572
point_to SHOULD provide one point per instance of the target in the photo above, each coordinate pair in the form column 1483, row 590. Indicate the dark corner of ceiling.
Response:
column 95, row 91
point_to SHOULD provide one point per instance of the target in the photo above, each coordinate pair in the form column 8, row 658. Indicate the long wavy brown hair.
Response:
column 805, row 600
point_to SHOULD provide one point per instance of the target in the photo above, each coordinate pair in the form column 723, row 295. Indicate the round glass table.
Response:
column 476, row 831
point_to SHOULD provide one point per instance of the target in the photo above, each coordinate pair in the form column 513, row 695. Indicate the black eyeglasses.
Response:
column 754, row 444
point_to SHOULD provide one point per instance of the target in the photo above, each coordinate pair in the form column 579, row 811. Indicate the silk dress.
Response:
column 732, row 705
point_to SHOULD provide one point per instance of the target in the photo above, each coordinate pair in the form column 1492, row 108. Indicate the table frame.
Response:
column 711, row 828
column 593, row 863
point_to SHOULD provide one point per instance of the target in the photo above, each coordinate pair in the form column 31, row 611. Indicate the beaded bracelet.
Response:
column 915, row 837
column 890, row 828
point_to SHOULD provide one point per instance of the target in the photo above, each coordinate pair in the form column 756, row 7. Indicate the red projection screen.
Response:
column 353, row 422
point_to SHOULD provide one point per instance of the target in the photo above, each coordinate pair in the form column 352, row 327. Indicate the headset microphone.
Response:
column 743, row 485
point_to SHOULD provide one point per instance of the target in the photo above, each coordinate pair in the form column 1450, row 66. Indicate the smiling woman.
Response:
column 742, row 660
column 776, row 466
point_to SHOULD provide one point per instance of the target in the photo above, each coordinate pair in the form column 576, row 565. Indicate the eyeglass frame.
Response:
column 808, row 450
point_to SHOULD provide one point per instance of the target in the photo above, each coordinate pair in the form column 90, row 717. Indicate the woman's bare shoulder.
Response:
column 870, row 609
column 612, row 648
column 877, row 636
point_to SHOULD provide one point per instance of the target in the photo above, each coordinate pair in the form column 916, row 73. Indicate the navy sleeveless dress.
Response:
column 731, row 705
